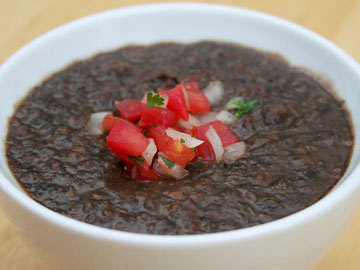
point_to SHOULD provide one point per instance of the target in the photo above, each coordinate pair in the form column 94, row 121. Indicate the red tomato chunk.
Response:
column 135, row 172
column 157, row 117
column 174, row 150
column 177, row 102
column 110, row 121
column 126, row 139
column 129, row 109
column 226, row 135
column 198, row 102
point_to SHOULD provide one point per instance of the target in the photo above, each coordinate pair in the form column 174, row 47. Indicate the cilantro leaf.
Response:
column 137, row 160
column 182, row 140
column 168, row 162
column 153, row 100
column 244, row 106
column 147, row 133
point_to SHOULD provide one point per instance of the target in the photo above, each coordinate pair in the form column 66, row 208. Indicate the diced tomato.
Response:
column 204, row 150
column 177, row 102
column 191, row 86
column 226, row 135
column 135, row 172
column 173, row 149
column 157, row 116
column 125, row 138
column 129, row 109
column 198, row 102
column 110, row 121
column 149, row 175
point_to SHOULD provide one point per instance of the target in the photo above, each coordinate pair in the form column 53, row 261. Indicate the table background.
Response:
column 23, row 20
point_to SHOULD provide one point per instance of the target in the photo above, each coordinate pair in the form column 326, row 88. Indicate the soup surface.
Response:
column 298, row 141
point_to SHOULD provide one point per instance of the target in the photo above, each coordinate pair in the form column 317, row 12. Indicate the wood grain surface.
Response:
column 23, row 20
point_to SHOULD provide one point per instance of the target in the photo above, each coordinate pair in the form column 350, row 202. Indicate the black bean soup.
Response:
column 298, row 142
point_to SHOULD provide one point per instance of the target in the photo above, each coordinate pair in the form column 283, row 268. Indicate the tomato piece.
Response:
column 191, row 86
column 157, row 116
column 226, row 135
column 198, row 102
column 204, row 150
column 125, row 138
column 148, row 175
column 137, row 173
column 129, row 109
column 110, row 121
column 173, row 149
column 177, row 101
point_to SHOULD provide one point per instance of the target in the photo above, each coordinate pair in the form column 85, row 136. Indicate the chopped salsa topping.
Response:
column 157, row 136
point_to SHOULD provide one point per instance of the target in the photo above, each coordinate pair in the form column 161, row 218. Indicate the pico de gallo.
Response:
column 159, row 135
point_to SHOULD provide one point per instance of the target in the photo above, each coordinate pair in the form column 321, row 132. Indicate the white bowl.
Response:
column 298, row 241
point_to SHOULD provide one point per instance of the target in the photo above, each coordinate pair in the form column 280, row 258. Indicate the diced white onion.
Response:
column 214, row 92
column 164, row 96
column 192, row 122
column 234, row 151
column 186, row 96
column 215, row 142
column 208, row 117
column 224, row 116
column 150, row 151
column 94, row 125
column 189, row 141
column 231, row 106
column 176, row 172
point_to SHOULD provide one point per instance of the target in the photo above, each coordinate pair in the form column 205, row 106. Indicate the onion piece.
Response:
column 234, row 151
column 150, row 151
column 208, row 117
column 215, row 142
column 164, row 96
column 94, row 124
column 186, row 96
column 230, row 105
column 176, row 172
column 192, row 122
column 224, row 116
column 214, row 92
column 189, row 141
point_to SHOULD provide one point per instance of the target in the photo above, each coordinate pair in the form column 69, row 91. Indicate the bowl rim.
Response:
column 323, row 206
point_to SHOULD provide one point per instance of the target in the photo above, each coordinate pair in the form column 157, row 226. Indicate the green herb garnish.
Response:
column 182, row 140
column 168, row 162
column 137, row 160
column 153, row 100
column 244, row 106
column 147, row 133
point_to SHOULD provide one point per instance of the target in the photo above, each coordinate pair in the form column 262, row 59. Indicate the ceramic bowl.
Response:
column 298, row 241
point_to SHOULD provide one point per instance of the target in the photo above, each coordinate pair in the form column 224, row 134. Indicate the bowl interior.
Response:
column 182, row 23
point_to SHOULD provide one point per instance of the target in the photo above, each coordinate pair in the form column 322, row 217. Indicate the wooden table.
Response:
column 23, row 20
